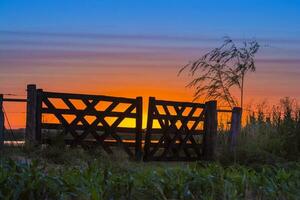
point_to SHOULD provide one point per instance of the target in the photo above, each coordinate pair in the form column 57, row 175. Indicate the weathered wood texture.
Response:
column 30, row 133
column 1, row 122
column 210, row 128
column 179, row 132
column 138, row 128
column 236, row 121
column 39, row 116
column 96, row 120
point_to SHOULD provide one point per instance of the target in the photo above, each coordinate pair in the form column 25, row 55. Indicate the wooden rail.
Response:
column 14, row 100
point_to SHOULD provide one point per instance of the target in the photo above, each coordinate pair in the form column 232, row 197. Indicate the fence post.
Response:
column 1, row 122
column 38, row 115
column 139, row 123
column 147, row 144
column 236, row 120
column 210, row 130
column 30, row 133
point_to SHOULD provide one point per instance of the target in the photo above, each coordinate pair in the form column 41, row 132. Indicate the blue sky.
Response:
column 255, row 18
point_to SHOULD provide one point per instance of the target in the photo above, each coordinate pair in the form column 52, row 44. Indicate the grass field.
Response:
column 53, row 173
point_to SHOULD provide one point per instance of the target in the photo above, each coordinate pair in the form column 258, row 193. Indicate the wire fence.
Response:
column 14, row 134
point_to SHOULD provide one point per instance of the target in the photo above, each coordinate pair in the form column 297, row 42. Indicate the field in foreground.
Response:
column 79, row 174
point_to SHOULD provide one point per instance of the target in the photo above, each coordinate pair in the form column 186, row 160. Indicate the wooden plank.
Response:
column 89, row 112
column 130, row 144
column 224, row 111
column 14, row 100
column 138, row 132
column 235, row 128
column 151, row 105
column 30, row 133
column 210, row 128
column 82, row 127
column 85, row 96
column 39, row 115
column 156, row 131
column 179, row 103
column 177, row 117
column 1, row 122
column 92, row 135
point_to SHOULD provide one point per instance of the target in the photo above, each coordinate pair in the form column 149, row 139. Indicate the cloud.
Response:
column 139, row 36
column 103, row 35
column 279, row 60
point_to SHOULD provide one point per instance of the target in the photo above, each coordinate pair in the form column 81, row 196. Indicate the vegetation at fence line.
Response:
column 271, row 134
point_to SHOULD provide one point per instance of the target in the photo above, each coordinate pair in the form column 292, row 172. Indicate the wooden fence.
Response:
column 91, row 122
column 175, row 130
column 186, row 131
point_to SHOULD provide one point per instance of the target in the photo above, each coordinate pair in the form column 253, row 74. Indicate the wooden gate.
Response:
column 180, row 130
column 91, row 119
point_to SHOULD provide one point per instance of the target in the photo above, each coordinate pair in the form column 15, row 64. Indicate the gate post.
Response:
column 147, row 144
column 210, row 130
column 236, row 119
column 1, row 122
column 38, row 128
column 31, row 115
column 139, row 123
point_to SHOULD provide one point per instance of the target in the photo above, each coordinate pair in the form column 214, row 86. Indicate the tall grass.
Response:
column 271, row 134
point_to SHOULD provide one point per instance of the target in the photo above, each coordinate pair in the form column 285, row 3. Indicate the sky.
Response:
column 135, row 48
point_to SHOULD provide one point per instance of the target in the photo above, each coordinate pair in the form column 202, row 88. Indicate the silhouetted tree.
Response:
column 216, row 72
